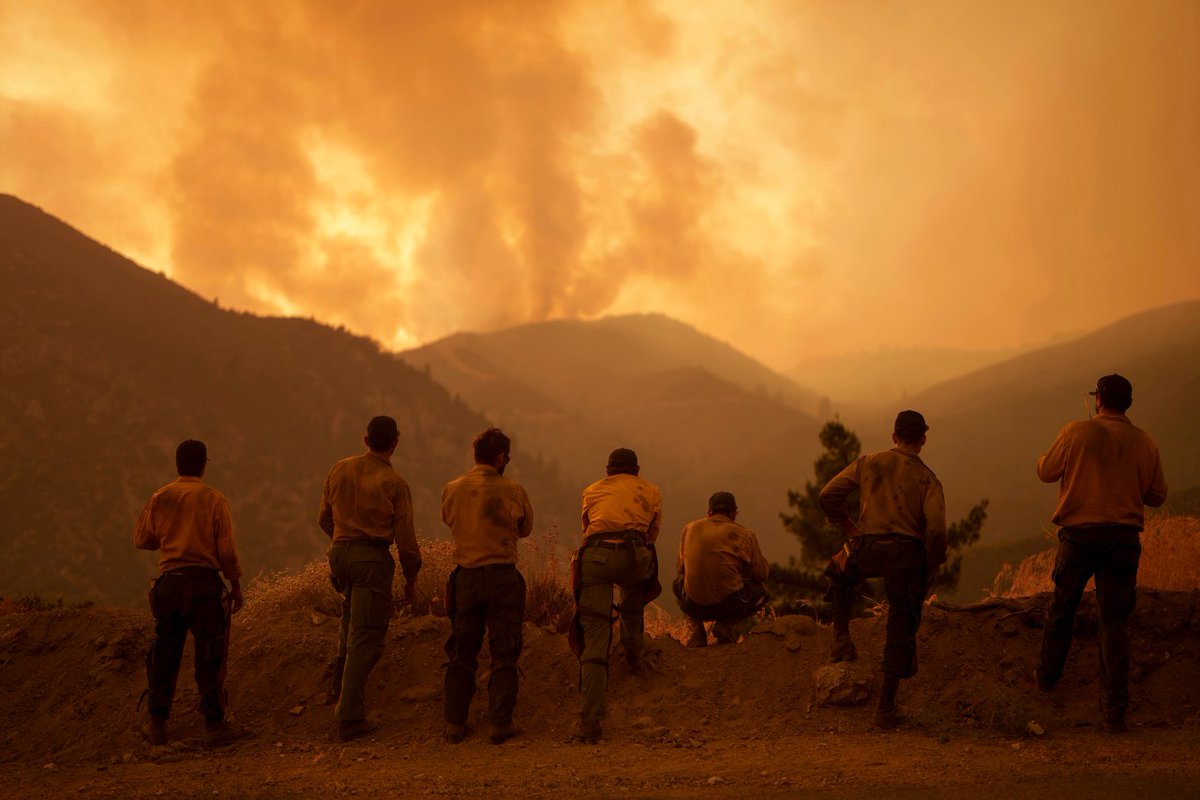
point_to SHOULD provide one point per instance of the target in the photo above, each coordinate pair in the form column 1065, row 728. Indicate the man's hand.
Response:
column 934, row 571
column 410, row 593
column 236, row 601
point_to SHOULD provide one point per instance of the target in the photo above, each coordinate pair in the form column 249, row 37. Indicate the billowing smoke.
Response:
column 797, row 178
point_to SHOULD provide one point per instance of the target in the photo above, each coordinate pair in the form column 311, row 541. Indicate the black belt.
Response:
column 378, row 544
column 186, row 571
column 890, row 538
column 492, row 567
column 596, row 542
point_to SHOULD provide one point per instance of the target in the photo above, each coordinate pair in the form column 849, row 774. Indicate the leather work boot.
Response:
column 1042, row 683
column 455, row 732
column 221, row 734
column 843, row 649
column 502, row 733
column 586, row 732
column 697, row 637
column 155, row 730
column 357, row 729
column 888, row 718
column 1114, row 722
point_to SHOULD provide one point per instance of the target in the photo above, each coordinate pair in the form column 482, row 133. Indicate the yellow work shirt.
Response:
column 622, row 503
column 189, row 522
column 716, row 557
column 897, row 493
column 1110, row 470
column 365, row 499
column 486, row 513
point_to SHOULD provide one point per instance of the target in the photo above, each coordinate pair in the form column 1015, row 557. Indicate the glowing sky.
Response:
column 797, row 178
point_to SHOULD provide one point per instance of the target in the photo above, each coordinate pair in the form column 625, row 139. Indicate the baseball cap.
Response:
column 1115, row 391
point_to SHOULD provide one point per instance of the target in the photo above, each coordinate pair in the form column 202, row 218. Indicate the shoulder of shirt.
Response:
column 916, row 459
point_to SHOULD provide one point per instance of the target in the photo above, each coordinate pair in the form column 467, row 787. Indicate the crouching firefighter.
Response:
column 190, row 524
column 720, row 574
column 621, row 517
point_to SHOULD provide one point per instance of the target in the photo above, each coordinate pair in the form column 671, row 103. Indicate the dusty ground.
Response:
column 746, row 720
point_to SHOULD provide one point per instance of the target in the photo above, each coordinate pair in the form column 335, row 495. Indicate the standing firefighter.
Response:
column 366, row 506
column 621, row 518
column 720, row 573
column 486, row 513
column 1109, row 471
column 901, row 537
column 189, row 523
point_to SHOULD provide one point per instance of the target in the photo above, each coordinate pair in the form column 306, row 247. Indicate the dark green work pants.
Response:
column 362, row 573
column 601, row 567
column 1112, row 554
column 182, row 600
column 491, row 599
column 900, row 561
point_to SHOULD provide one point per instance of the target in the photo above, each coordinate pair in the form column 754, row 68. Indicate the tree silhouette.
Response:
column 800, row 585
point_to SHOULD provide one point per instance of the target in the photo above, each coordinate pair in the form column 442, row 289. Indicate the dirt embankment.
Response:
column 767, row 716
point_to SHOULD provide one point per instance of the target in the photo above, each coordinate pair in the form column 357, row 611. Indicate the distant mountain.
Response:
column 106, row 366
column 855, row 382
column 702, row 415
column 989, row 427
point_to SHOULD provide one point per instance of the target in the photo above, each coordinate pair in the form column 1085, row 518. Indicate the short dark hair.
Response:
column 722, row 503
column 190, row 457
column 491, row 443
column 381, row 433
column 622, row 461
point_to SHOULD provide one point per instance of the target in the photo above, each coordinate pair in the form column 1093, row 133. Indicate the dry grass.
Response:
column 1170, row 561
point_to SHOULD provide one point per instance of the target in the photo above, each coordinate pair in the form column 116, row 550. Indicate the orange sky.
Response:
column 798, row 178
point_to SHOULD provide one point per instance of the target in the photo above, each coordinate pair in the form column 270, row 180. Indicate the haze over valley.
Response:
column 109, row 365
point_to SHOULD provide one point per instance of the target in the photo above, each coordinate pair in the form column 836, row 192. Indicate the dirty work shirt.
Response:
column 366, row 499
column 897, row 494
column 1110, row 470
column 486, row 513
column 190, row 522
column 716, row 557
column 622, row 503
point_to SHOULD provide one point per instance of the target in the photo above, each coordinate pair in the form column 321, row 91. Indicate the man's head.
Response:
column 382, row 435
column 492, row 447
column 1114, row 393
column 622, row 461
column 909, row 429
column 722, row 503
column 190, row 458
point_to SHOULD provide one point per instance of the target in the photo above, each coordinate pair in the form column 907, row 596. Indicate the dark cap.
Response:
column 382, row 431
column 910, row 425
column 622, row 458
column 1114, row 391
column 722, row 503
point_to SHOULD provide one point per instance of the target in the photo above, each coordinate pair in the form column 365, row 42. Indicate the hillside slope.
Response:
column 768, row 717
column 988, row 428
column 107, row 366
column 702, row 416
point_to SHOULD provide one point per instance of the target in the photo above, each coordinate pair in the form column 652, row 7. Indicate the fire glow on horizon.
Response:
column 796, row 178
